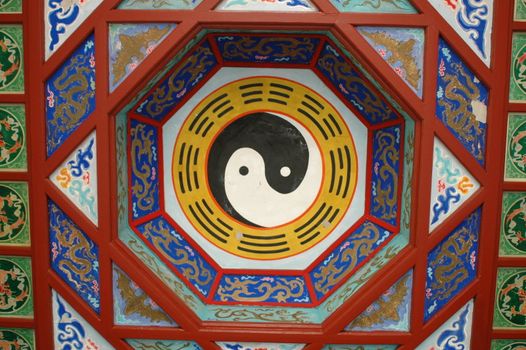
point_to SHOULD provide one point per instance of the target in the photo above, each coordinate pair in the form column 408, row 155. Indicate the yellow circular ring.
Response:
column 270, row 94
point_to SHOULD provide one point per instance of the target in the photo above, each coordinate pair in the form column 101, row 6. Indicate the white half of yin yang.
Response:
column 255, row 200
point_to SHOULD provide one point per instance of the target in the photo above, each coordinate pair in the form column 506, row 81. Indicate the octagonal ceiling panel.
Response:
column 231, row 163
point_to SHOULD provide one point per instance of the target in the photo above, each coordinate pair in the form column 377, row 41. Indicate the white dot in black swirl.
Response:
column 264, row 169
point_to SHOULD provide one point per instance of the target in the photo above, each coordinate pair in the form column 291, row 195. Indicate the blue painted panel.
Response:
column 70, row 95
column 384, row 174
column 352, row 86
column 452, row 265
column 182, row 256
column 178, row 83
column 255, row 49
column 74, row 256
column 461, row 102
column 337, row 265
column 144, row 169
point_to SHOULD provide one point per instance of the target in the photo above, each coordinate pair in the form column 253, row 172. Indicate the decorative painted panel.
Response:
column 402, row 49
column 509, row 301
column 508, row 344
column 374, row 6
column 455, row 333
column 263, row 288
column 129, row 44
column 274, row 49
column 178, row 84
column 74, row 256
column 70, row 95
column 515, row 166
column 359, row 347
column 11, row 59
column 259, row 346
column 14, row 214
column 472, row 20
column 386, row 174
column 452, row 264
column 71, row 330
column 513, row 224
column 11, row 6
column 451, row 185
column 337, row 265
column 159, row 4
column 391, row 312
column 62, row 18
column 16, row 290
column 145, row 186
column 462, row 102
column 346, row 79
column 520, row 10
column 264, row 5
column 518, row 68
column 17, row 338
column 149, row 344
column 13, row 144
column 77, row 177
column 187, row 260
column 132, row 306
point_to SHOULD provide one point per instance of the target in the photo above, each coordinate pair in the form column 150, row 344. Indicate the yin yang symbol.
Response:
column 264, row 169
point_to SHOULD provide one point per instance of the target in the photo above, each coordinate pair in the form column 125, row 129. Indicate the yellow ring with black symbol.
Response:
column 225, row 105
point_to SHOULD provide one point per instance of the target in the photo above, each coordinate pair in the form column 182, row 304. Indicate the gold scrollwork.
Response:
column 288, row 47
column 236, row 289
column 386, row 198
column 401, row 51
column 138, row 303
column 388, row 308
column 75, row 94
column 449, row 268
column 177, row 287
column 459, row 98
column 265, row 315
column 134, row 46
column 143, row 188
column 193, row 269
column 163, row 96
column 346, row 259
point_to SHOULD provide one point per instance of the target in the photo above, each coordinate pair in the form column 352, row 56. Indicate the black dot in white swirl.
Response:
column 264, row 169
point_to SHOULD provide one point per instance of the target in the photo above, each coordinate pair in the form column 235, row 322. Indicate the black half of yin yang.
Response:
column 280, row 144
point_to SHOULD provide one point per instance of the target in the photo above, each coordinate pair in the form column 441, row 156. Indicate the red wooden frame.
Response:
column 341, row 26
